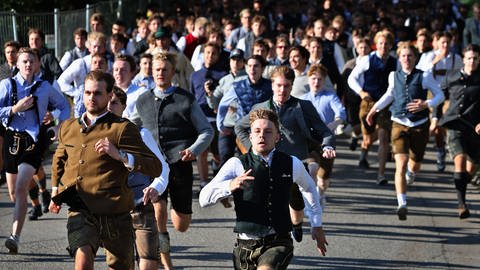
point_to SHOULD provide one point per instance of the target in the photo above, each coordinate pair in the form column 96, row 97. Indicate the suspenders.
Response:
column 15, row 98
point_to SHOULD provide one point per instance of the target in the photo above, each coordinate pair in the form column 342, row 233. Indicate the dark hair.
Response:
column 145, row 55
column 120, row 94
column 264, row 114
column 100, row 76
column 471, row 47
column 259, row 19
column 301, row 50
column 80, row 32
column 120, row 38
column 445, row 34
column 129, row 59
column 262, row 43
column 12, row 43
column 120, row 23
column 258, row 58
column 97, row 17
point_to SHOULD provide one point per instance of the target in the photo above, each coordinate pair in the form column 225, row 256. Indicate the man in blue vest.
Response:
column 407, row 92
column 260, row 182
column 369, row 80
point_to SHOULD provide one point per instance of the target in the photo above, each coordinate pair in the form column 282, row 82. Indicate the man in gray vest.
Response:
column 182, row 131
column 79, row 51
column 260, row 182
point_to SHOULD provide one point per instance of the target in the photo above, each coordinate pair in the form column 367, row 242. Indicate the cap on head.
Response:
column 236, row 53
column 162, row 32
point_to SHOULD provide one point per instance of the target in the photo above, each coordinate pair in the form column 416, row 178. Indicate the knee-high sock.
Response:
column 33, row 192
column 461, row 181
column 42, row 183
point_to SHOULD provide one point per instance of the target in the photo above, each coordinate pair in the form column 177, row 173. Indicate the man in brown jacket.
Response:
column 90, row 167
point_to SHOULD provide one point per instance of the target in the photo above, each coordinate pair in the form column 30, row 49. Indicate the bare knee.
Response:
column 84, row 258
column 181, row 222
column 265, row 267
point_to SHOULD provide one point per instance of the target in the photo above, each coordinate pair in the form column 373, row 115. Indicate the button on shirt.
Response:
column 28, row 120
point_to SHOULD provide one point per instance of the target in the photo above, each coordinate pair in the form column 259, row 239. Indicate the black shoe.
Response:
column 45, row 200
column 363, row 164
column 35, row 212
column 402, row 212
column 12, row 244
column 297, row 232
column 463, row 212
column 353, row 144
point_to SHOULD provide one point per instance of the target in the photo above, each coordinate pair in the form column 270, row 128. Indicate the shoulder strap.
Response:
column 33, row 89
column 14, row 99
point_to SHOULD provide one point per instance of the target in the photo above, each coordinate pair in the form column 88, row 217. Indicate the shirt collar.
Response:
column 319, row 93
column 93, row 121
column 23, row 82
column 162, row 94
column 269, row 156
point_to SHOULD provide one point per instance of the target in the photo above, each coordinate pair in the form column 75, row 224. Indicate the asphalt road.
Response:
column 362, row 228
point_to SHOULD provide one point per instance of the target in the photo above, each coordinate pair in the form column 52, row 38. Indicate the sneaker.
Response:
column 441, row 154
column 402, row 212
column 45, row 200
column 410, row 177
column 35, row 212
column 353, row 144
column 12, row 244
column 381, row 180
column 363, row 164
column 463, row 212
column 297, row 232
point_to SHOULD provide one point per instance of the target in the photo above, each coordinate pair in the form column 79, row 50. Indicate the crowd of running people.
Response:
column 255, row 93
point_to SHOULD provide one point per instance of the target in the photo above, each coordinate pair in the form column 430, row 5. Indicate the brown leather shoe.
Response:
column 463, row 212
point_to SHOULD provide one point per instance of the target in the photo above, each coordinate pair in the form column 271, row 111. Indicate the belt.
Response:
column 440, row 72
column 20, row 134
column 263, row 240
